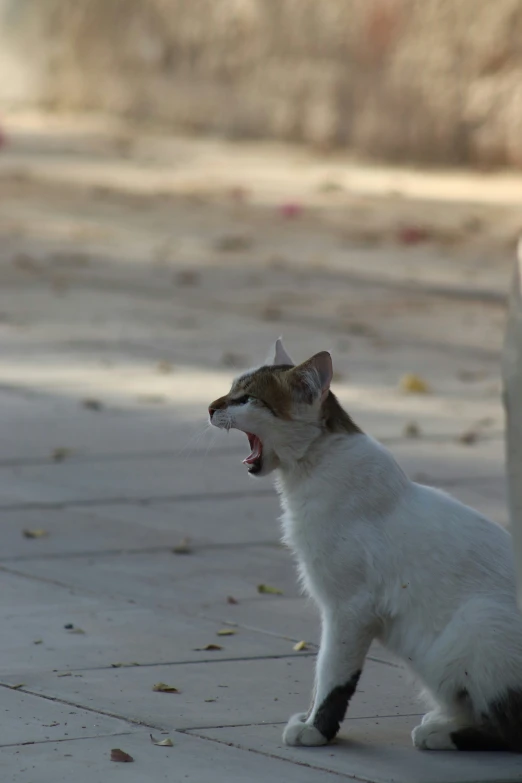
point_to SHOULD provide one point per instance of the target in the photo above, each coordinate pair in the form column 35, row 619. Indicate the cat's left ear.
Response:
column 314, row 376
column 278, row 354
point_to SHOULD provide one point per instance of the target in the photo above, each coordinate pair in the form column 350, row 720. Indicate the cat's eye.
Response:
column 243, row 400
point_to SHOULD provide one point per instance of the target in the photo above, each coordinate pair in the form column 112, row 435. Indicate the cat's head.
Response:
column 280, row 407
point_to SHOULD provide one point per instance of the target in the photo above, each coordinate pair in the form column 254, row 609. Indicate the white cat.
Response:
column 384, row 558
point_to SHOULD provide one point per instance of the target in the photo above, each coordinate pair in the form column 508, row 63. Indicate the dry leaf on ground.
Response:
column 92, row 405
column 269, row 590
column 208, row 647
column 413, row 235
column 468, row 438
column 119, row 755
column 233, row 243
column 226, row 632
column 34, row 533
column 232, row 600
column 183, row 548
column 165, row 368
column 411, row 430
column 166, row 743
column 162, row 687
column 60, row 454
column 291, row 209
column 16, row 687
column 300, row 646
column 414, row 384
column 189, row 277
column 77, row 631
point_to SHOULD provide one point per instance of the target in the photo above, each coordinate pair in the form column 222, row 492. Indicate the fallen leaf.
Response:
column 68, row 626
column 38, row 641
column 77, row 631
column 226, row 632
column 183, row 548
column 208, row 647
column 188, row 277
column 209, row 700
column 413, row 384
column 239, row 194
column 165, row 367
column 92, row 404
column 233, row 243
column 166, row 743
column 65, row 674
column 271, row 313
column 292, row 209
column 412, row 235
column 411, row 430
column 266, row 589
column 16, row 687
column 60, row 454
column 300, row 646
column 162, row 687
column 34, row 533
column 232, row 600
column 51, row 725
column 468, row 437
column 119, row 755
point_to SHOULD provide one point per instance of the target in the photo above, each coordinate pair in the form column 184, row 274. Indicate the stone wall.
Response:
column 438, row 81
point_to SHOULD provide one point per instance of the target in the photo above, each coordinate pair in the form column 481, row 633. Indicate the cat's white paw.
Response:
column 430, row 717
column 299, row 732
column 433, row 736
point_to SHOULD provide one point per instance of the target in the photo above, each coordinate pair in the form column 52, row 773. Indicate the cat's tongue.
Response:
column 257, row 449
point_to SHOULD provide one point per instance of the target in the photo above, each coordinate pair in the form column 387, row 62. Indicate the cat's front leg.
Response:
column 344, row 645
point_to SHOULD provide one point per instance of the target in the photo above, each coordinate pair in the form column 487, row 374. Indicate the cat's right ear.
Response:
column 312, row 379
column 278, row 355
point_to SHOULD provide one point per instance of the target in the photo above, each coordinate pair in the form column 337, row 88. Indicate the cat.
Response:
column 385, row 559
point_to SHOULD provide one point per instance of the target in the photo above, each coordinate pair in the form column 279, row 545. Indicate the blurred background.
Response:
column 182, row 182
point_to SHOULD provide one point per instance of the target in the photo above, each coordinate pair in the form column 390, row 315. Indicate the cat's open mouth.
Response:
column 255, row 458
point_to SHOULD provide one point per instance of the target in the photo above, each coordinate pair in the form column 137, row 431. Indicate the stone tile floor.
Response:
column 110, row 352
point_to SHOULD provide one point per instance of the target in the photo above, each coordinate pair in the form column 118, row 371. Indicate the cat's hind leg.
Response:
column 344, row 645
column 435, row 732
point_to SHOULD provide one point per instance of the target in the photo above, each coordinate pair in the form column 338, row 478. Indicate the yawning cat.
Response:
column 384, row 558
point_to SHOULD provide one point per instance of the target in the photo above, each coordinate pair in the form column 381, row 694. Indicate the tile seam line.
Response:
column 324, row 770
column 67, row 739
column 58, row 700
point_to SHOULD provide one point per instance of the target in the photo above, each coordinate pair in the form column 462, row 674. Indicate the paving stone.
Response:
column 191, row 759
column 378, row 751
column 29, row 718
column 241, row 692
column 173, row 582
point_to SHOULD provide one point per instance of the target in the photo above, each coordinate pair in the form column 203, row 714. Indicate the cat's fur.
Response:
column 384, row 558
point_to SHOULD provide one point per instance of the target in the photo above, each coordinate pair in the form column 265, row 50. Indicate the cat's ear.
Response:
column 278, row 355
column 313, row 377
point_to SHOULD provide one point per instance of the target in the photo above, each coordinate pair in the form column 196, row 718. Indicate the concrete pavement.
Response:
column 109, row 355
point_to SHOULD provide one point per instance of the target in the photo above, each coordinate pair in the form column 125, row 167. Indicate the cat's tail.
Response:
column 500, row 730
